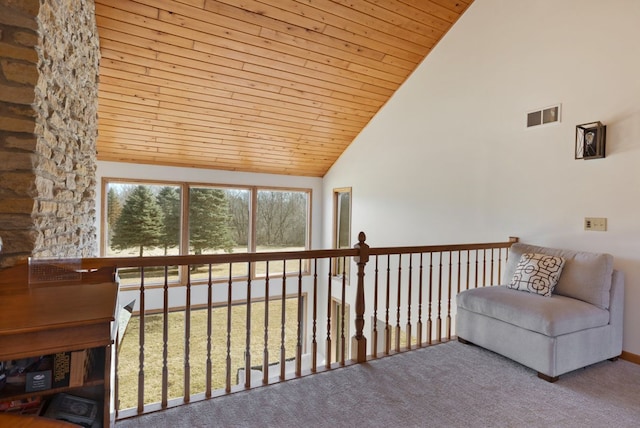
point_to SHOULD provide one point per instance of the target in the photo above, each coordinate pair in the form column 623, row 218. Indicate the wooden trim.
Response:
column 628, row 356
column 334, row 227
column 104, row 197
column 336, row 192
column 253, row 227
column 120, row 262
column 309, row 237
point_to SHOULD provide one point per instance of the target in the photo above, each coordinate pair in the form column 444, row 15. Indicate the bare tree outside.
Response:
column 239, row 200
column 282, row 218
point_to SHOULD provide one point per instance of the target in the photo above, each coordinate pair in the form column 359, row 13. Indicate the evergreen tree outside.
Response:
column 114, row 208
column 140, row 223
column 219, row 218
column 169, row 202
column 209, row 220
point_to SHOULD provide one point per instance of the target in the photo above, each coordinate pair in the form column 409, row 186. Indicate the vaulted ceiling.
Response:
column 271, row 86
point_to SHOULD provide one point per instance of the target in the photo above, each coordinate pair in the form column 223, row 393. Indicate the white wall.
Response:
column 449, row 159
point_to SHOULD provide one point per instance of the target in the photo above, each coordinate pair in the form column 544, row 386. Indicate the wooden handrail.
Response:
column 419, row 272
column 357, row 251
column 439, row 248
column 91, row 263
column 122, row 262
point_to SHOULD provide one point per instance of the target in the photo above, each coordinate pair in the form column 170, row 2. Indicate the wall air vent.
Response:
column 543, row 116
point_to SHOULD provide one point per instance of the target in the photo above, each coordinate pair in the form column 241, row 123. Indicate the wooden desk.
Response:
column 17, row 421
column 47, row 319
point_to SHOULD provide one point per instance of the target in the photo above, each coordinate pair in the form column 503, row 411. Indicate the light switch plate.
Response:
column 595, row 223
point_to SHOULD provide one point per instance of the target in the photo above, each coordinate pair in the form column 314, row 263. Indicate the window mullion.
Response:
column 253, row 215
column 184, row 230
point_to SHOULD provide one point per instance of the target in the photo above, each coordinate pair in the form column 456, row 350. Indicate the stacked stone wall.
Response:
column 49, row 57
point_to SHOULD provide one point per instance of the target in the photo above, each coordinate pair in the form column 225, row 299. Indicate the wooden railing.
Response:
column 292, row 310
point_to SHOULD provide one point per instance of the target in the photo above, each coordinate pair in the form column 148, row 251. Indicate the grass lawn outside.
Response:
column 129, row 355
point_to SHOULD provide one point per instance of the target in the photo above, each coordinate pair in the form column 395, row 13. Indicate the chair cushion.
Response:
column 551, row 316
column 585, row 276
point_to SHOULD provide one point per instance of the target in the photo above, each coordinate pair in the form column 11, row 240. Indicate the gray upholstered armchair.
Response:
column 578, row 324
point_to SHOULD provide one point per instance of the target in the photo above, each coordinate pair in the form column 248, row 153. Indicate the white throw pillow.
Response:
column 537, row 273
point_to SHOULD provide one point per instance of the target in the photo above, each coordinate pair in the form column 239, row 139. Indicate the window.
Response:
column 341, row 227
column 142, row 220
column 281, row 225
column 282, row 221
column 156, row 219
column 217, row 222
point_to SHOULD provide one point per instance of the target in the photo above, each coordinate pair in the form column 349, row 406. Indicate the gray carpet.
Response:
column 447, row 385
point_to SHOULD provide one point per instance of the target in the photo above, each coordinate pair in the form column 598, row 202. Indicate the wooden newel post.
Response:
column 359, row 342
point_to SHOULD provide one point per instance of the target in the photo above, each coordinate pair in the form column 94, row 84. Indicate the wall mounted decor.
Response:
column 590, row 140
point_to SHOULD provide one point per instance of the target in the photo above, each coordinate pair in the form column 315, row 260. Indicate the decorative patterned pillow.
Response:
column 537, row 273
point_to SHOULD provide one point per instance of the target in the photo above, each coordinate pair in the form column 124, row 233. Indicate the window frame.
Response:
column 185, row 187
column 336, row 266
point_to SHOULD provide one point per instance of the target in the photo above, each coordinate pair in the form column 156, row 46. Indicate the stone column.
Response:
column 49, row 59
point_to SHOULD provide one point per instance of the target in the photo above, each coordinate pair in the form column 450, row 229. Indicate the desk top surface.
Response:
column 50, row 306
column 33, row 308
column 21, row 421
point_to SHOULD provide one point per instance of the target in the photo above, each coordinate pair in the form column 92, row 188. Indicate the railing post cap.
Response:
column 363, row 257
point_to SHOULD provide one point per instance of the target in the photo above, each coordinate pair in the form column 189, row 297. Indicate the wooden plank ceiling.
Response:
column 272, row 86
